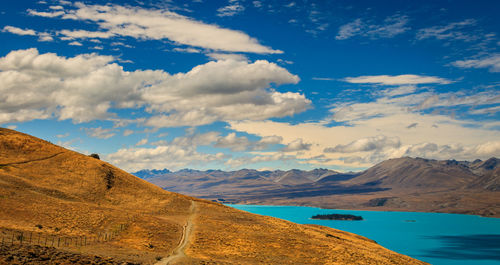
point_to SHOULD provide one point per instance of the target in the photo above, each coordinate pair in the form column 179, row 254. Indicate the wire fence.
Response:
column 10, row 237
column 19, row 237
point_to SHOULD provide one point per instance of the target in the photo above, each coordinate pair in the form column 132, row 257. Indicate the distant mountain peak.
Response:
column 148, row 173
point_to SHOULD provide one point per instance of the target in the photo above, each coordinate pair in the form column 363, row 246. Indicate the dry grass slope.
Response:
column 53, row 191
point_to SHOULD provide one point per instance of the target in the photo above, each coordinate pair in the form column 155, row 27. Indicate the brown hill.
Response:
column 298, row 177
column 55, row 193
column 489, row 181
column 213, row 181
column 408, row 172
column 481, row 167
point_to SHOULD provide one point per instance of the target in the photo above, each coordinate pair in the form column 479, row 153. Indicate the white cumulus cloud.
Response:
column 297, row 145
column 233, row 142
column 142, row 142
column 85, row 87
column 163, row 156
column 19, row 31
column 366, row 144
column 223, row 90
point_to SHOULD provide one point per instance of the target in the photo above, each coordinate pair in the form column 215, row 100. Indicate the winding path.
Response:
column 29, row 161
column 186, row 232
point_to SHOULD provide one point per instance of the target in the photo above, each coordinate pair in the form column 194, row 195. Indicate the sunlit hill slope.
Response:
column 47, row 190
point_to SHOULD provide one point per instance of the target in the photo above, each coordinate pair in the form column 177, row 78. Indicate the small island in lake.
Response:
column 335, row 216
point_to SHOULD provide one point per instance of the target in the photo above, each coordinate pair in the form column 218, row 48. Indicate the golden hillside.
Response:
column 47, row 191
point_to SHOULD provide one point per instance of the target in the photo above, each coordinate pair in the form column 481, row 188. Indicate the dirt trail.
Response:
column 29, row 161
column 186, row 232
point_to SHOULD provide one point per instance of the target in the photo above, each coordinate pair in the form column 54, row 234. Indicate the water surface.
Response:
column 437, row 238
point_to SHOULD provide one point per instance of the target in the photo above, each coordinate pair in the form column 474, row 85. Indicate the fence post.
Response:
column 12, row 240
column 46, row 240
column 58, row 241
column 39, row 235
column 31, row 235
column 85, row 237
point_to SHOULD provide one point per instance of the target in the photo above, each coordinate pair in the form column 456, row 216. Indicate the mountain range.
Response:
column 405, row 184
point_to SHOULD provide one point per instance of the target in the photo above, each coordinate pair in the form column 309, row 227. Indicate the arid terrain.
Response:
column 403, row 184
column 59, row 206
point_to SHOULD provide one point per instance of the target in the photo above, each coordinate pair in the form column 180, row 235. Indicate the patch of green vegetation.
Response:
column 337, row 217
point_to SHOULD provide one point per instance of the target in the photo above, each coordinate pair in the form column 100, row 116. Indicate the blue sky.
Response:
column 254, row 84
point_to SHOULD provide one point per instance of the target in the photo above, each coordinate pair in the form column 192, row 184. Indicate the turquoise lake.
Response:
column 437, row 238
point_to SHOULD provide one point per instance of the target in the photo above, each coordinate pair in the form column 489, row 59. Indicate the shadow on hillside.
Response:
column 292, row 193
column 299, row 191
column 479, row 247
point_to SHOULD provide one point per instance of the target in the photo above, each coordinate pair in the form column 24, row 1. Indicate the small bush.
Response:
column 39, row 226
column 110, row 179
column 96, row 156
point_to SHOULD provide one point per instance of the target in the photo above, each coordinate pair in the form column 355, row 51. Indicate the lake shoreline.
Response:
column 386, row 209
column 422, row 235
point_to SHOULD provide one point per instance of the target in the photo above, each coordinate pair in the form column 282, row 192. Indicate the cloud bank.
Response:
column 88, row 86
